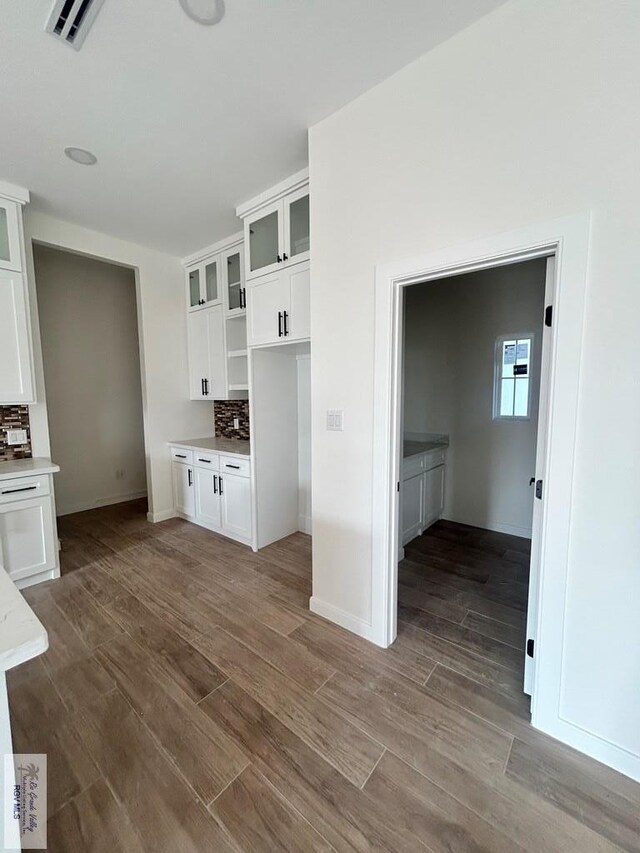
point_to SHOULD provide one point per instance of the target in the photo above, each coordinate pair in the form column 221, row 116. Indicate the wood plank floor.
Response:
column 190, row 702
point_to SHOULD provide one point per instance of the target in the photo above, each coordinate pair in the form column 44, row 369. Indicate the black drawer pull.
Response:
column 190, row 476
column 181, row 455
column 220, row 485
column 232, row 466
column 14, row 491
column 208, row 461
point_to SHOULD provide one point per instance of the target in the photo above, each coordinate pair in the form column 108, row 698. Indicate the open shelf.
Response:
column 238, row 387
column 237, row 353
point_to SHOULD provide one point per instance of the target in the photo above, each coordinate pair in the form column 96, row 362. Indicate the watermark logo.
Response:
column 25, row 801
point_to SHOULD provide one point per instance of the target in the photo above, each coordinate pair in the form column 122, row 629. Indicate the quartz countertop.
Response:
column 26, row 467
column 415, row 448
column 22, row 635
column 228, row 446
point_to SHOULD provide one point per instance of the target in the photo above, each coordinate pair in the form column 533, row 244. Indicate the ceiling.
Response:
column 187, row 121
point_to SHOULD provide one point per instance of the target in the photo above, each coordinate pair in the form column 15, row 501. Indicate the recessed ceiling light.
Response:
column 81, row 155
column 205, row 12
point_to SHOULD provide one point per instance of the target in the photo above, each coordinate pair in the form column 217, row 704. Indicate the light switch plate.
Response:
column 16, row 436
column 335, row 419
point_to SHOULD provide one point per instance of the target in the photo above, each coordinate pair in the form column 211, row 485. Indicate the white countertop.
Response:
column 22, row 635
column 228, row 446
column 26, row 467
column 415, row 448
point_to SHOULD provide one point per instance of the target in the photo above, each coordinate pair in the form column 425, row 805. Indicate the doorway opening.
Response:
column 474, row 360
column 91, row 358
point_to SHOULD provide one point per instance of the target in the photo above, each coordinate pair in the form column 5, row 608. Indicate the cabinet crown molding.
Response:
column 294, row 182
column 12, row 192
column 214, row 249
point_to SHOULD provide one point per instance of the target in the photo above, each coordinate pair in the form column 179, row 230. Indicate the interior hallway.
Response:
column 190, row 702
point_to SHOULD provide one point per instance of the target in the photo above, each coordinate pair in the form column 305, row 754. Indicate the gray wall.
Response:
column 450, row 331
column 89, row 330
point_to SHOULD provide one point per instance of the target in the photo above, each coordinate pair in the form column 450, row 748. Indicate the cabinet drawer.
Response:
column 412, row 465
column 183, row 456
column 233, row 465
column 433, row 459
column 24, row 487
column 211, row 461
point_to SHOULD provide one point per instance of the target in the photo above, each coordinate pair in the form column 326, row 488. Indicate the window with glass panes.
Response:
column 512, row 378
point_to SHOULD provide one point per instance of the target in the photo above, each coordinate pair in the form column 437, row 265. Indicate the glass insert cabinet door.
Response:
column 211, row 281
column 5, row 250
column 234, row 282
column 194, row 288
column 264, row 240
column 10, row 256
column 298, row 226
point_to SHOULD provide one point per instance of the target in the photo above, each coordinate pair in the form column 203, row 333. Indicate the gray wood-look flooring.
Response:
column 189, row 701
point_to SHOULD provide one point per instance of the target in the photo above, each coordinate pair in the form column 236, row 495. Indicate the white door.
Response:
column 264, row 240
column 298, row 326
column 412, row 507
column 183, row 489
column 208, row 509
column 236, row 505
column 10, row 255
column 16, row 376
column 234, row 282
column 216, row 372
column 268, row 298
column 297, row 230
column 27, row 540
column 199, row 360
column 433, row 495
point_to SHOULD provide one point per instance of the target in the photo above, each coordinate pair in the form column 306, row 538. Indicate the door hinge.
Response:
column 530, row 645
column 539, row 489
column 548, row 315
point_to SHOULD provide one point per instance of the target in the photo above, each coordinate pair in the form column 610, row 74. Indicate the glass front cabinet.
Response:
column 219, row 278
column 277, row 234
column 10, row 254
column 203, row 284
column 233, row 277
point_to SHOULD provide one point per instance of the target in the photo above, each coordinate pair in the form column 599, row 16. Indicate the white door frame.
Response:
column 568, row 240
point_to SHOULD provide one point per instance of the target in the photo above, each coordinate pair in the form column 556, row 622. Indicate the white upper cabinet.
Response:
column 207, row 356
column 233, row 281
column 203, row 284
column 17, row 383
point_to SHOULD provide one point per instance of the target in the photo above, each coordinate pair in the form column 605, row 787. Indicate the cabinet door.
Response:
column 183, row 489
column 236, row 505
column 212, row 292
column 216, row 373
column 199, row 360
column 268, row 298
column 298, row 314
column 263, row 239
column 16, row 371
column 27, row 537
column 208, row 510
column 297, row 232
column 433, row 495
column 195, row 298
column 10, row 254
column 233, row 272
column 412, row 507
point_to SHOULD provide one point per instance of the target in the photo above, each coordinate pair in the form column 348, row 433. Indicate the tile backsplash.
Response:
column 224, row 411
column 14, row 417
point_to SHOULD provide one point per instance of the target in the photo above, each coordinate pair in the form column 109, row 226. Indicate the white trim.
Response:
column 32, row 580
column 494, row 526
column 12, row 192
column 215, row 249
column 294, row 182
column 119, row 499
column 155, row 517
column 498, row 377
column 342, row 618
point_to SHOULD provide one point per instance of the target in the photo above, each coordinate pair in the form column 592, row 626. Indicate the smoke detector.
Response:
column 70, row 20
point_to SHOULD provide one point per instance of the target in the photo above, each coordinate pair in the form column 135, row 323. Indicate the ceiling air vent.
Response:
column 70, row 20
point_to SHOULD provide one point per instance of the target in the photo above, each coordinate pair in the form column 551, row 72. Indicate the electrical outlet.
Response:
column 335, row 419
column 236, row 423
column 16, row 436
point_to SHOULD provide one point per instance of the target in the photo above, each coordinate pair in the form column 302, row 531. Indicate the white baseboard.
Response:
column 304, row 524
column 49, row 575
column 341, row 617
column 494, row 526
column 165, row 515
column 118, row 499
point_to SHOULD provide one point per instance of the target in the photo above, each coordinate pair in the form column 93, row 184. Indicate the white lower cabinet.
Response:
column 214, row 492
column 422, row 495
column 27, row 528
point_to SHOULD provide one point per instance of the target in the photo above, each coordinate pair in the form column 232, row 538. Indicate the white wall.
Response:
column 304, row 443
column 89, row 332
column 530, row 114
column 451, row 327
column 168, row 414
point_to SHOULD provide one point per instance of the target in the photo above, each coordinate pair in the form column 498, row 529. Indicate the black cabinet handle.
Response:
column 279, row 324
column 14, row 491
column 279, row 259
column 202, row 387
column 208, row 461
column 286, row 330
column 190, row 476
column 285, row 257
column 181, row 455
column 215, row 484
column 205, row 383
column 220, row 485
column 244, row 297
column 237, row 467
